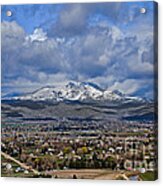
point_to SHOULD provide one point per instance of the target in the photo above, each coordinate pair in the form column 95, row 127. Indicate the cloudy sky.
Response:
column 110, row 44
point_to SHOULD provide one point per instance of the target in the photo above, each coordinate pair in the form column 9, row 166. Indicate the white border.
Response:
column 49, row 182
column 60, row 1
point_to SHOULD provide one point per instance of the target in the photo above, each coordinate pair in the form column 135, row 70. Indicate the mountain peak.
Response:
column 94, row 85
column 118, row 92
column 72, row 84
column 76, row 91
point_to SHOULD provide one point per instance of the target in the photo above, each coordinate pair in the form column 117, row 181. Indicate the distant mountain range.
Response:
column 77, row 91
column 79, row 100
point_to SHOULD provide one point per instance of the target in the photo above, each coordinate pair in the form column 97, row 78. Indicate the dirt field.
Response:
column 86, row 174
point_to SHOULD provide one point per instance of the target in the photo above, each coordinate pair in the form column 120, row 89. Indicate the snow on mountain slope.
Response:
column 76, row 91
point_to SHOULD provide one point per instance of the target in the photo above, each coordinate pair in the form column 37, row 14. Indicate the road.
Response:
column 23, row 165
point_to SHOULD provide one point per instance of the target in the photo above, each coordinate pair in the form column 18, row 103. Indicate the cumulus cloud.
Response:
column 128, row 86
column 86, row 46
column 38, row 35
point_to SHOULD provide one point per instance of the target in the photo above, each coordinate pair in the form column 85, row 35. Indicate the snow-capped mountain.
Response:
column 76, row 91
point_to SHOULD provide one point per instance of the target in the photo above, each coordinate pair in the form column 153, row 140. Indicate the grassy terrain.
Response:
column 148, row 176
column 12, row 173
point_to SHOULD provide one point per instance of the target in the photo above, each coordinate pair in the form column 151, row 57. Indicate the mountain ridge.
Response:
column 77, row 91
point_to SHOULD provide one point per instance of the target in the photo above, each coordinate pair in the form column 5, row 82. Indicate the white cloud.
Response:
column 128, row 86
column 38, row 35
column 73, row 16
column 104, row 54
column 12, row 35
